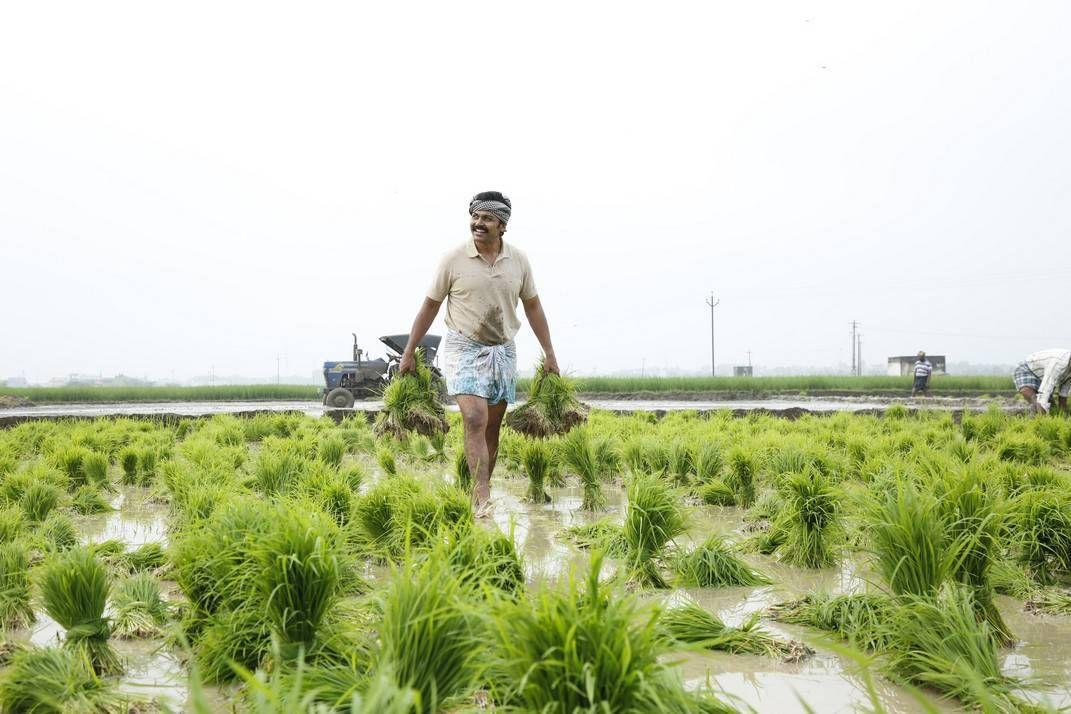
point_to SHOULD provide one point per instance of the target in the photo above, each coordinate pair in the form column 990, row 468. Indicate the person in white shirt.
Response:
column 922, row 371
column 1041, row 374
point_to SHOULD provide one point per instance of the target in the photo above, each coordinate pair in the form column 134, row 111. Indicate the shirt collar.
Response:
column 470, row 249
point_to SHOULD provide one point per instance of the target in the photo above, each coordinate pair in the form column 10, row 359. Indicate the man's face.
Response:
column 485, row 226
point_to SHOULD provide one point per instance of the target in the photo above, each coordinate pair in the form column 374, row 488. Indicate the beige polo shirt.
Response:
column 482, row 296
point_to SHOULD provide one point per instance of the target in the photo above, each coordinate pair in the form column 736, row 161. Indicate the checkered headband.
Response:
column 500, row 210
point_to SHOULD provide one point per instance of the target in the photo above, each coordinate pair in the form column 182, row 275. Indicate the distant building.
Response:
column 743, row 371
column 900, row 366
column 15, row 382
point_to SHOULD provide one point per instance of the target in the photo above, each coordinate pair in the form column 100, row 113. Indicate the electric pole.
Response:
column 853, row 346
column 713, row 304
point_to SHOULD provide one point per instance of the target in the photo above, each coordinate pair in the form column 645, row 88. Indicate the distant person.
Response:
column 482, row 279
column 1042, row 374
column 922, row 370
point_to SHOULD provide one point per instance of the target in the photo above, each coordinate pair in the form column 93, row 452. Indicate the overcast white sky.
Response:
column 205, row 185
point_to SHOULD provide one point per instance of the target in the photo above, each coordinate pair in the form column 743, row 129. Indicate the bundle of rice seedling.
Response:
column 148, row 557
column 653, row 518
column 95, row 468
column 690, row 624
column 535, row 457
column 742, row 468
column 482, row 558
column 428, row 637
column 88, row 500
column 938, row 642
column 12, row 524
column 1051, row 602
column 708, row 463
column 58, row 532
column 462, row 473
column 277, row 469
column 39, row 500
column 57, row 680
column 859, row 618
column 385, row 459
column 412, row 402
column 128, row 460
column 581, row 648
column 810, row 520
column 578, row 453
column 239, row 637
column 908, row 540
column 1041, row 530
column 603, row 535
column 15, row 608
column 716, row 493
column 139, row 611
column 331, row 450
column 714, row 565
column 299, row 577
column 551, row 408
column 74, row 591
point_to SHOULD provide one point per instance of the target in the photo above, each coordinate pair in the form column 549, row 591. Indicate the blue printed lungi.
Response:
column 1025, row 377
column 488, row 371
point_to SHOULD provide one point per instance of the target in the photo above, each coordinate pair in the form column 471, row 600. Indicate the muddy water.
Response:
column 136, row 520
column 825, row 682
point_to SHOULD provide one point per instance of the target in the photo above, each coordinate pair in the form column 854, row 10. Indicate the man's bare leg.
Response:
column 1031, row 396
column 474, row 418
column 495, row 412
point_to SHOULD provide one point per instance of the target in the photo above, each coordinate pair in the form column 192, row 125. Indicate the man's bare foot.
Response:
column 483, row 509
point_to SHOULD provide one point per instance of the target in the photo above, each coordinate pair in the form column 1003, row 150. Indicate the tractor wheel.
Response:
column 339, row 398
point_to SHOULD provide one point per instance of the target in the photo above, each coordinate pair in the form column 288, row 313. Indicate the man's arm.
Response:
column 533, row 310
column 421, row 324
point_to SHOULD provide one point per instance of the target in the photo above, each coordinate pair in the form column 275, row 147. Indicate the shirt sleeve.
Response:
column 1055, row 374
column 440, row 284
column 528, row 287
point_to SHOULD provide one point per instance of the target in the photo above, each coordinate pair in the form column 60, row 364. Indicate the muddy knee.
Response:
column 475, row 421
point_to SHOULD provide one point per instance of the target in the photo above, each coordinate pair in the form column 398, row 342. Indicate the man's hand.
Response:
column 407, row 363
column 550, row 364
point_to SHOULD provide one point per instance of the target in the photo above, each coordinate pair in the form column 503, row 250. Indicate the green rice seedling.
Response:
column 139, row 611
column 603, row 535
column 277, row 469
column 716, row 492
column 14, row 486
column 1012, row 579
column 681, row 462
column 578, row 454
column 742, row 468
column 95, row 467
column 385, row 459
column 58, row 532
column 353, row 475
column 766, row 506
column 1042, row 533
column 897, row 412
column 811, row 521
column 709, row 463
column 690, row 624
column 299, row 578
column 535, row 458
column 39, row 500
column 146, row 558
column 1022, row 448
column 582, row 648
column 462, row 474
column 551, row 408
column 429, row 638
column 962, row 450
column 909, row 543
column 1050, row 602
column 74, row 591
column 653, row 518
column 148, row 460
column 128, row 460
column 15, row 608
column 70, row 460
column 861, row 619
column 975, row 522
column 88, row 500
column 12, row 524
column 937, row 642
column 239, row 637
column 481, row 558
column 412, row 402
column 331, row 450
column 57, row 680
column 714, row 565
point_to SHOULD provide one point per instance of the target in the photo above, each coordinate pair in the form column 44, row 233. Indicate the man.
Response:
column 922, row 371
column 482, row 280
column 1042, row 374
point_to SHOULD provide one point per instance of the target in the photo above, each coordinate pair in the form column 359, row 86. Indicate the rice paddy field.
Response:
column 967, row 385
column 693, row 563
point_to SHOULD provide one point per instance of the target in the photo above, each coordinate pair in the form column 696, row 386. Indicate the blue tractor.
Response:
column 360, row 378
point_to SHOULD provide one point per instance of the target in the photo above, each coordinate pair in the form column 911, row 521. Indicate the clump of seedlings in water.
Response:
column 74, row 591
column 578, row 454
column 861, row 619
column 810, row 521
column 139, row 610
column 15, row 608
column 57, row 680
column 908, row 539
column 412, row 402
column 462, row 473
column 715, row 565
column 690, row 624
column 385, row 459
column 653, row 519
column 535, row 458
column 603, row 535
column 88, row 500
column 39, row 500
column 741, row 478
column 1042, row 531
column 551, row 408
